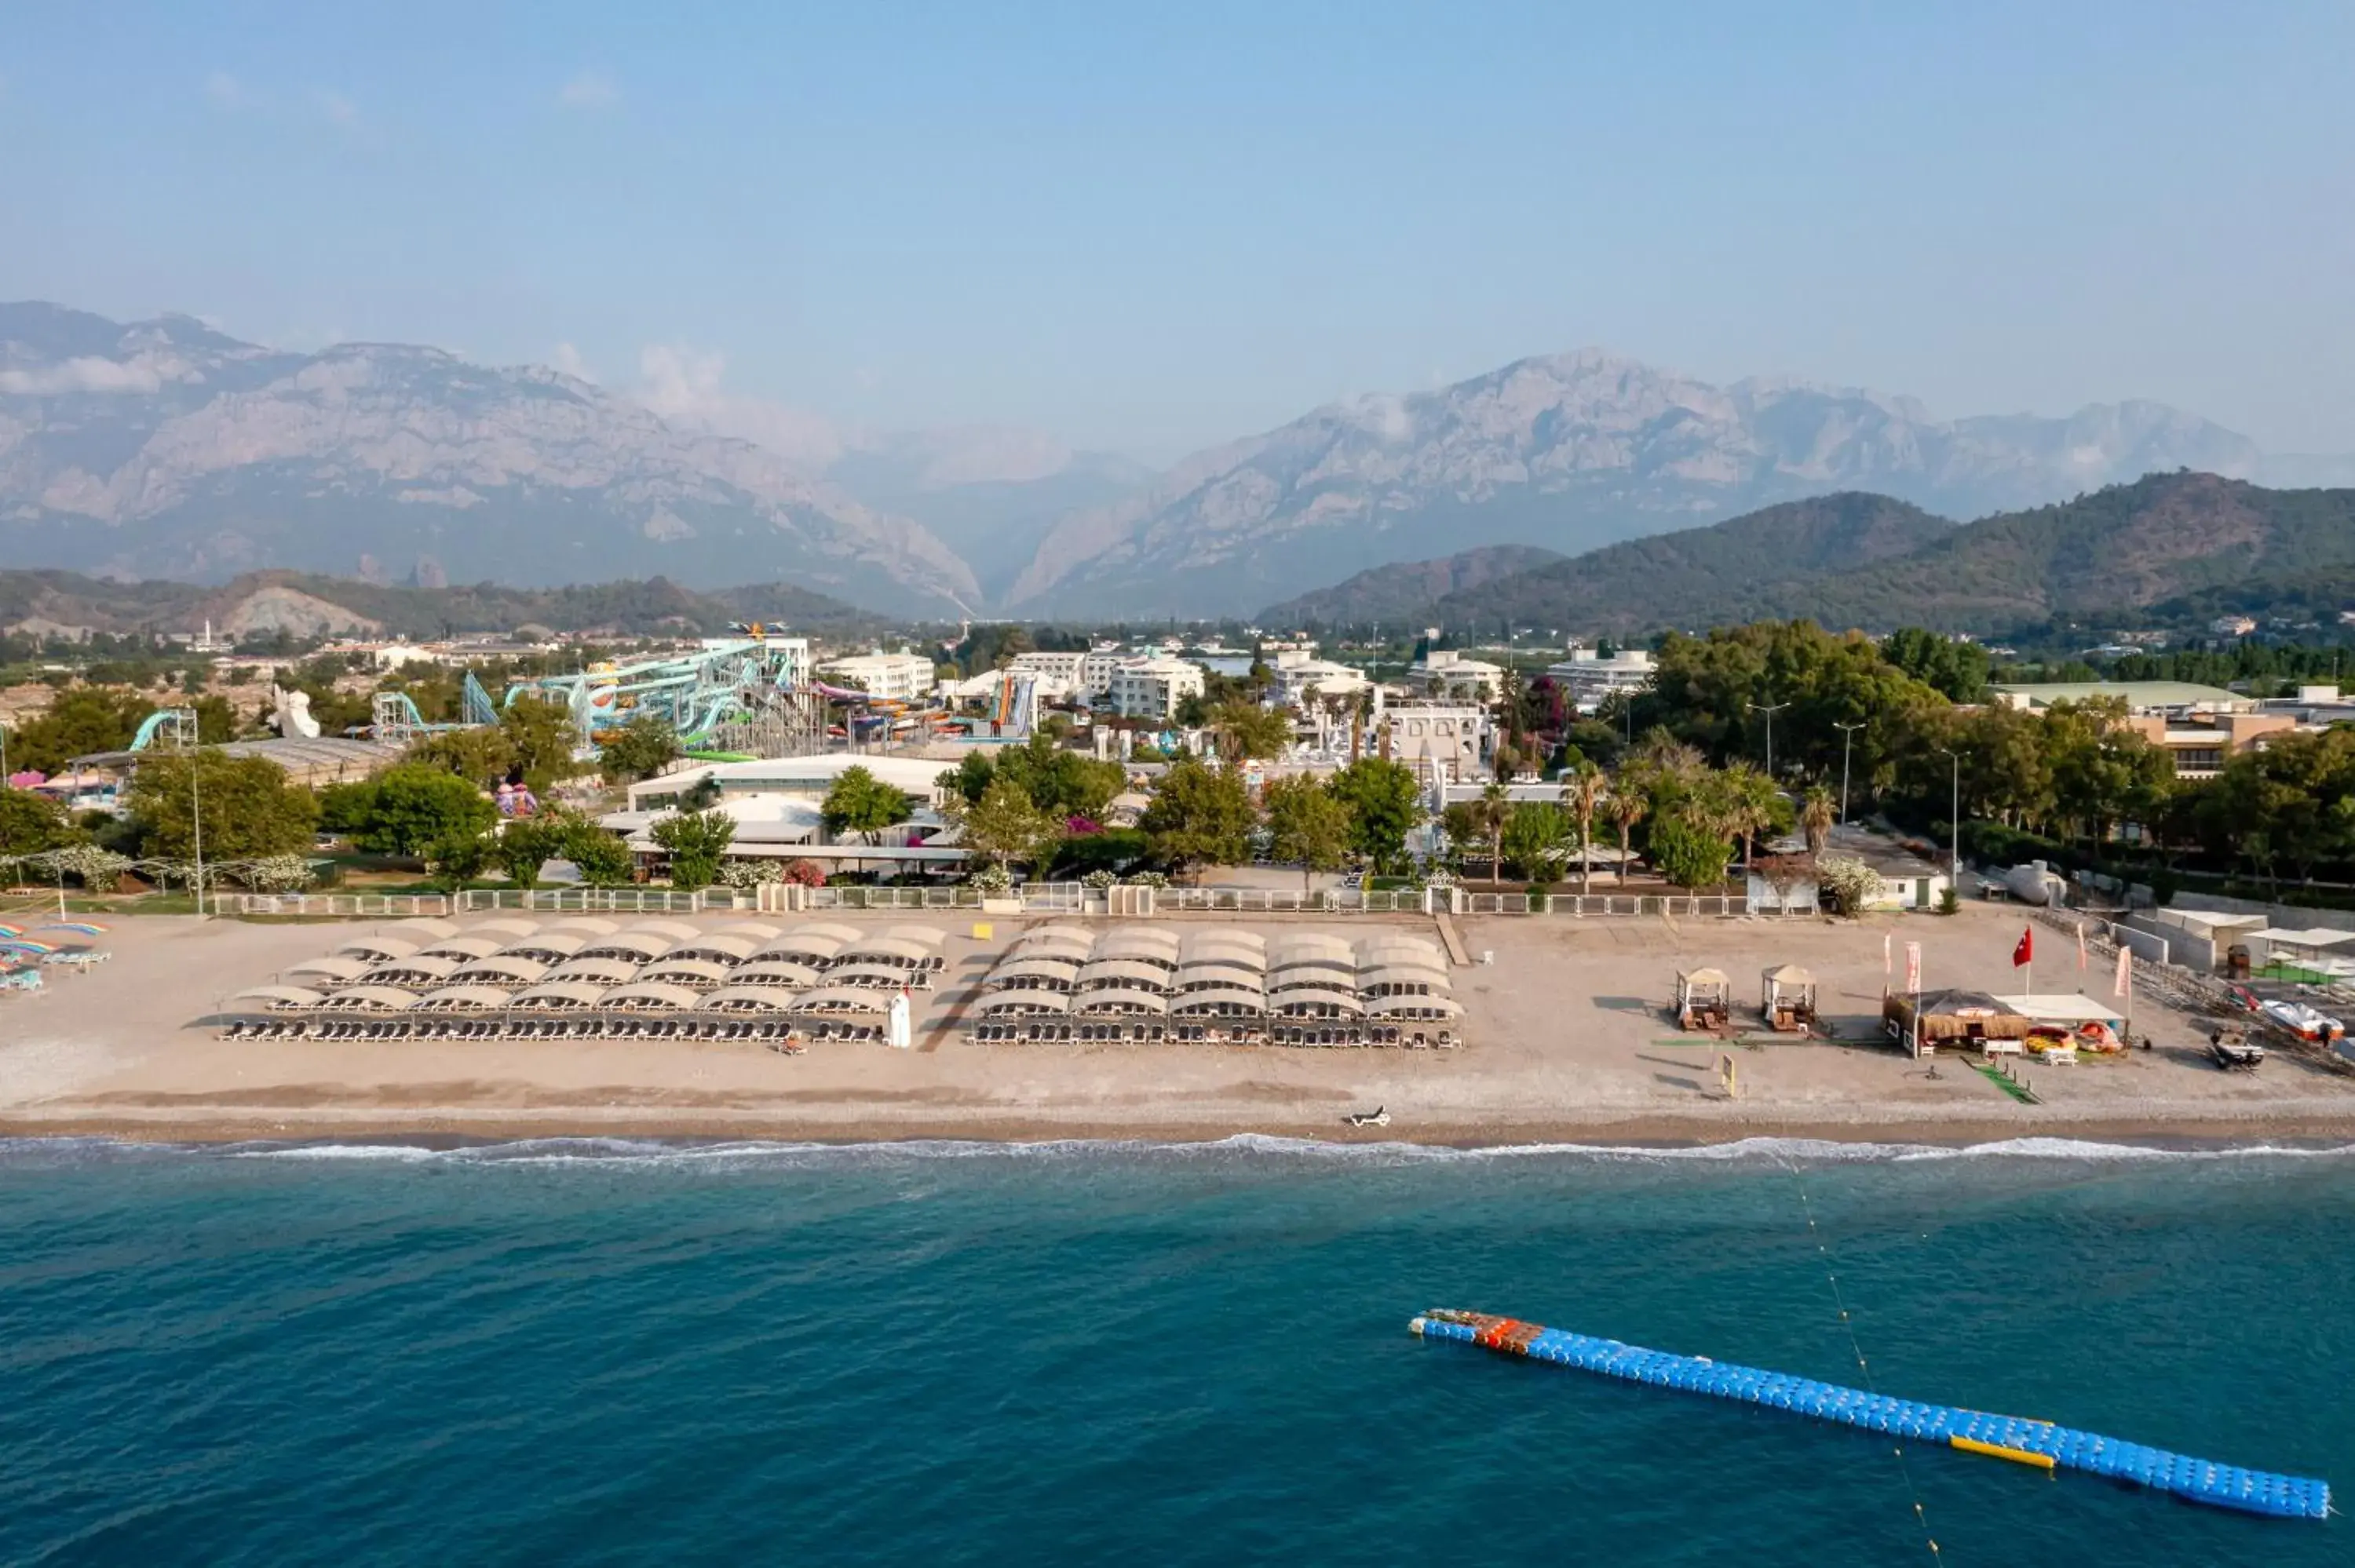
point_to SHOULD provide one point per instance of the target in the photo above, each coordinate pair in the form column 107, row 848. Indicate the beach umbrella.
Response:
column 25, row 945
column 7, row 930
column 86, row 928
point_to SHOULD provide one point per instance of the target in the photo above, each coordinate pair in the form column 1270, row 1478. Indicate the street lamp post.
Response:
column 1955, row 828
column 1847, row 744
column 1770, row 710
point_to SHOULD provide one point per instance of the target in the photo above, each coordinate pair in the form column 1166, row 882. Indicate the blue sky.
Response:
column 1148, row 228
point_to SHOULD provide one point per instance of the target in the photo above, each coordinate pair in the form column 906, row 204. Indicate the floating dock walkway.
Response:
column 2036, row 1443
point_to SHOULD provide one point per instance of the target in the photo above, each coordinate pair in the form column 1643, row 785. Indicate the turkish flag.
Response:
column 2027, row 948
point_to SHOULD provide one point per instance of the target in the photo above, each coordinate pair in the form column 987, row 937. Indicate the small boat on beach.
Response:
column 2234, row 1050
column 2306, row 1023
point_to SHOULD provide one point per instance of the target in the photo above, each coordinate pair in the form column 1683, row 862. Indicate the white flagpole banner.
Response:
column 1914, row 966
column 2124, row 984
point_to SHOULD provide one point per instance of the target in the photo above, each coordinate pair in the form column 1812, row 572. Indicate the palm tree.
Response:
column 1743, row 801
column 1816, row 818
column 1359, row 711
column 1582, row 791
column 1625, row 807
column 1495, row 805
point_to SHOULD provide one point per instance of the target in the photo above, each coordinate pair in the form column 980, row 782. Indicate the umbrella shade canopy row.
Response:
column 776, row 973
column 720, row 949
column 1102, row 973
column 842, row 999
column 638, row 947
column 1118, row 1002
column 422, row 969
column 887, row 950
column 548, row 947
column 473, row 945
column 1221, row 1003
column 1414, row 1007
column 585, row 925
column 1023, row 1001
column 599, row 971
column 464, row 999
column 280, row 998
column 343, row 970
column 651, row 996
column 560, row 996
column 688, row 972
column 502, row 967
column 376, row 948
column 371, row 998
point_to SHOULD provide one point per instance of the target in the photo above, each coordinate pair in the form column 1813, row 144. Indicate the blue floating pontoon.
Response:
column 2037, row 1443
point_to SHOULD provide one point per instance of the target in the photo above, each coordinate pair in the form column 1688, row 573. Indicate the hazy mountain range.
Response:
column 165, row 448
column 2164, row 548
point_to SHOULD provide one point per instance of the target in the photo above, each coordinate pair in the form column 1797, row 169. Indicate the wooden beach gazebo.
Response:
column 1704, row 999
column 1787, row 999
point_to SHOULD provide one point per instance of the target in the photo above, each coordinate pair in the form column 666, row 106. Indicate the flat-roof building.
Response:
column 1152, row 688
column 1444, row 673
column 891, row 677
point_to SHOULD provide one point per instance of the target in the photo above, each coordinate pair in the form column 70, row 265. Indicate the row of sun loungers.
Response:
column 1030, row 1032
column 764, row 1030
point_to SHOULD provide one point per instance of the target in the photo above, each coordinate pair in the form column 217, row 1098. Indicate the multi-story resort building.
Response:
column 894, row 677
column 1586, row 677
column 1153, row 687
column 775, row 804
column 1447, row 674
column 1443, row 742
column 1061, row 677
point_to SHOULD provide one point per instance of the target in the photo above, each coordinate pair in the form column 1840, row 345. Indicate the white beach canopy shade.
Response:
column 637, row 947
column 378, row 947
column 1024, row 1002
column 371, row 998
column 464, row 999
column 651, row 996
column 1118, row 1000
column 282, row 998
column 560, row 996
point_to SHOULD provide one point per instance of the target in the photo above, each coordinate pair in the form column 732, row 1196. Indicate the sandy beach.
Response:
column 1567, row 1042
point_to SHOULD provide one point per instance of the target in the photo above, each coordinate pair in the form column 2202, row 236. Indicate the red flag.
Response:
column 2026, row 951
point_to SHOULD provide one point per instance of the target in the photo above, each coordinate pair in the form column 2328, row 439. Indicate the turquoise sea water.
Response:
column 577, row 1352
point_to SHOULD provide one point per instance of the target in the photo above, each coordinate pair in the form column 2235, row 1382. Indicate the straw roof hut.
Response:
column 1954, row 1014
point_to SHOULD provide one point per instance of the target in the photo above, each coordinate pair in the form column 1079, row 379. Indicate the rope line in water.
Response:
column 1856, row 1348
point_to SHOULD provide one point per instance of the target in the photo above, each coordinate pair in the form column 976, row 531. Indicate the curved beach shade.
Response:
column 25, row 945
column 86, row 928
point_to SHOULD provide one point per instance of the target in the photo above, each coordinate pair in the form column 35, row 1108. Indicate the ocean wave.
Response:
column 751, row 1153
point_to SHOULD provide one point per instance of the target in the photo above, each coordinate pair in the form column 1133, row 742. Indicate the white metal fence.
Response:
column 1038, row 898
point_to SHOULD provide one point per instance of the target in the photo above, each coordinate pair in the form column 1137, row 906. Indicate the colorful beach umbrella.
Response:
column 7, row 930
column 86, row 928
column 25, row 945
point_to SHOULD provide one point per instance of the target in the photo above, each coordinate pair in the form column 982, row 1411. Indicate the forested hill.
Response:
column 306, row 605
column 2173, row 541
column 1693, row 577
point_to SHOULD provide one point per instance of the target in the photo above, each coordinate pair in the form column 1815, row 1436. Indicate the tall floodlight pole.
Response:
column 1954, row 813
column 1847, row 744
column 1770, row 710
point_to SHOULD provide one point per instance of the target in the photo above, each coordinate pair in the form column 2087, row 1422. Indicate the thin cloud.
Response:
column 682, row 386
column 225, row 91
column 342, row 111
column 568, row 359
column 591, row 89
